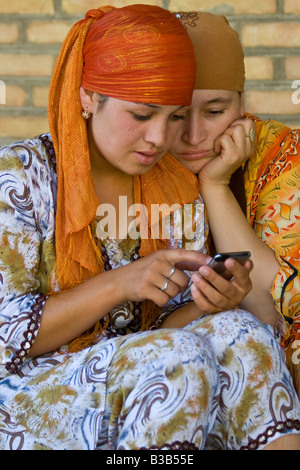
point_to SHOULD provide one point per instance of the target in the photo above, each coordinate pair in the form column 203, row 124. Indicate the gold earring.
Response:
column 86, row 115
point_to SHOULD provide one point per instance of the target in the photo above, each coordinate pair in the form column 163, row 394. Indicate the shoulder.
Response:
column 273, row 133
column 27, row 153
column 274, row 142
column 27, row 172
column 31, row 160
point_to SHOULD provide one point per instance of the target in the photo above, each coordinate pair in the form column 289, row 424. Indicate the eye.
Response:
column 178, row 117
column 215, row 112
column 141, row 117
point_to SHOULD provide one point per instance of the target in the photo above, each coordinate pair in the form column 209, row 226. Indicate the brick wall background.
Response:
column 31, row 32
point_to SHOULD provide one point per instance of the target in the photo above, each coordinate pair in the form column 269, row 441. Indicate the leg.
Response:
column 290, row 442
column 146, row 390
column 160, row 390
column 257, row 403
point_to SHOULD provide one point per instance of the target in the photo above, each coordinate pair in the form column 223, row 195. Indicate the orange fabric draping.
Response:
column 139, row 53
column 86, row 49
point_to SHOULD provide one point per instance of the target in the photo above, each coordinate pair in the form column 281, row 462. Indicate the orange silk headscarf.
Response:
column 139, row 53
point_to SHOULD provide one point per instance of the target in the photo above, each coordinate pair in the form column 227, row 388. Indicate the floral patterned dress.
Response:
column 225, row 387
column 272, row 182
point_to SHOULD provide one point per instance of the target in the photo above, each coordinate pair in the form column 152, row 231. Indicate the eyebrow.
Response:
column 219, row 100
column 156, row 106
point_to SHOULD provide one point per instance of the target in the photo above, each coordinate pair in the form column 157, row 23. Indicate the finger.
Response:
column 240, row 272
column 237, row 145
column 238, row 134
column 224, row 294
column 233, row 144
column 241, row 279
column 246, row 122
column 247, row 126
column 184, row 259
column 232, row 288
column 237, row 131
column 172, row 286
column 202, row 301
column 217, row 290
column 248, row 265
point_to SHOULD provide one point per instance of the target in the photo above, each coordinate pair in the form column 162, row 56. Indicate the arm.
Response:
column 26, row 236
column 229, row 227
column 68, row 314
column 231, row 231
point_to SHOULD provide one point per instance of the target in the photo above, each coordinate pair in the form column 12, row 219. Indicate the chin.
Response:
column 140, row 171
column 193, row 168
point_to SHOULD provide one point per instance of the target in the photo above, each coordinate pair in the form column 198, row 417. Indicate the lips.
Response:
column 147, row 158
column 196, row 155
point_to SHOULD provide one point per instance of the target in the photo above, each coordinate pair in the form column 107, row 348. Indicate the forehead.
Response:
column 206, row 97
column 155, row 108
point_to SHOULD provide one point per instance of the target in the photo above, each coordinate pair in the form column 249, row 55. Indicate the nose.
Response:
column 157, row 133
column 194, row 133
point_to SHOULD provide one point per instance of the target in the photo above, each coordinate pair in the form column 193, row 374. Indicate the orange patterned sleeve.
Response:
column 272, row 182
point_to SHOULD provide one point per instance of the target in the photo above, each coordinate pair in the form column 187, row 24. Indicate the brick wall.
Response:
column 31, row 32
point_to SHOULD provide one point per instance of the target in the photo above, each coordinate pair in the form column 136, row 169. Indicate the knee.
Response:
column 179, row 346
column 238, row 332
column 173, row 351
column 236, row 325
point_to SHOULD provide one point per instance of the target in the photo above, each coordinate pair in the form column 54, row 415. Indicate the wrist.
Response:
column 220, row 180
column 220, row 188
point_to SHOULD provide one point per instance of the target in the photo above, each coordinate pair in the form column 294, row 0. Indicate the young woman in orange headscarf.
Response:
column 85, row 262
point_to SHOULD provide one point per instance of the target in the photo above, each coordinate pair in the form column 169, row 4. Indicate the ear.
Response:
column 86, row 98
column 242, row 98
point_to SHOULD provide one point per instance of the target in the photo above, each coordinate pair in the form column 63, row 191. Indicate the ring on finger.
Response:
column 171, row 273
column 251, row 135
column 165, row 286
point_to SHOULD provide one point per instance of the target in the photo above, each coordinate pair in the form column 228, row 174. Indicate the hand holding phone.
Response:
column 217, row 263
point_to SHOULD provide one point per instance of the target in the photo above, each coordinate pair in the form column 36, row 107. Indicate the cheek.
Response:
column 130, row 131
column 232, row 116
column 175, row 133
column 217, row 129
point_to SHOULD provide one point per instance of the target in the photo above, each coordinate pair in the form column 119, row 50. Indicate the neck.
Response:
column 99, row 164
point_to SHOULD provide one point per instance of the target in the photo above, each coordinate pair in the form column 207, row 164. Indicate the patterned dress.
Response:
column 272, row 182
column 225, row 387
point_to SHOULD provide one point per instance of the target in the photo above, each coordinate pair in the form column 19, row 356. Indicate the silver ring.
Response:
column 171, row 273
column 165, row 286
column 251, row 135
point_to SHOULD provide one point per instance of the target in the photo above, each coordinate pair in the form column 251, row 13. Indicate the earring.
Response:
column 86, row 115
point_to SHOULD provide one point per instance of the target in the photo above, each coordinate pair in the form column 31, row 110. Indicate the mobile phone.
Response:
column 217, row 264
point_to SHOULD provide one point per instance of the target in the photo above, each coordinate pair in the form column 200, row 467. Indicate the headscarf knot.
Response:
column 97, row 13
